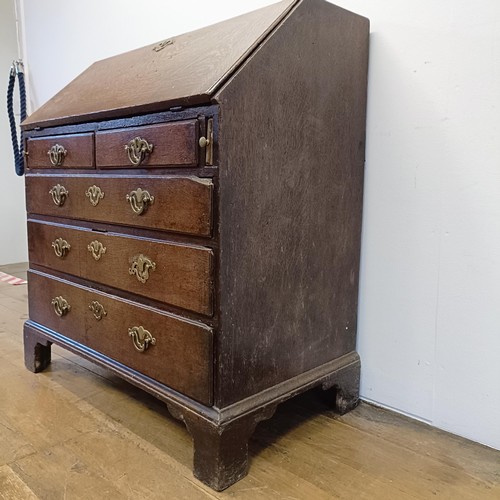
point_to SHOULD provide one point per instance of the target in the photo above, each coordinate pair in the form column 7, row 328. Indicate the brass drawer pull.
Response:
column 141, row 338
column 139, row 200
column 61, row 247
column 97, row 249
column 61, row 306
column 141, row 265
column 137, row 150
column 97, row 310
column 56, row 155
column 59, row 194
column 94, row 194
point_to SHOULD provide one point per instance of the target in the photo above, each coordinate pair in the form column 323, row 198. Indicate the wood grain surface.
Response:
column 291, row 190
column 186, row 72
column 181, row 204
column 174, row 144
column 279, row 277
column 79, row 151
column 77, row 431
column 182, row 275
column 175, row 339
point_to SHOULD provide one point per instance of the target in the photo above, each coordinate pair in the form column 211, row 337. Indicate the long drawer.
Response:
column 177, row 274
column 174, row 351
column 177, row 204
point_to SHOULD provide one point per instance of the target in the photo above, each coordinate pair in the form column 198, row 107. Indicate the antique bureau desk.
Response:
column 194, row 216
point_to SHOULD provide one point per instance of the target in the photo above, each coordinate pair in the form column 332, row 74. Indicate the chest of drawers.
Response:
column 194, row 215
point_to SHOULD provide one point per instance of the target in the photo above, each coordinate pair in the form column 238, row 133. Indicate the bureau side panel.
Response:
column 292, row 140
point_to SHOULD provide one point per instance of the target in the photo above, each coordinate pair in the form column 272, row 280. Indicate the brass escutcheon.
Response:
column 61, row 247
column 59, row 194
column 61, row 306
column 141, row 265
column 97, row 249
column 97, row 310
column 141, row 338
column 56, row 154
column 137, row 150
column 139, row 200
column 94, row 194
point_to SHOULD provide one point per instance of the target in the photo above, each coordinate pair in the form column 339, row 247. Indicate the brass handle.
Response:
column 97, row 249
column 61, row 247
column 97, row 310
column 59, row 194
column 94, row 194
column 57, row 154
column 139, row 200
column 137, row 150
column 141, row 338
column 61, row 306
column 141, row 266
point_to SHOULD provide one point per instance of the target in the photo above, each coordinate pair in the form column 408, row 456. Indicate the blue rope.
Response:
column 17, row 146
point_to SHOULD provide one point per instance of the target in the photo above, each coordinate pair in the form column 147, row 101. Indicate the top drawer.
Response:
column 61, row 151
column 166, row 144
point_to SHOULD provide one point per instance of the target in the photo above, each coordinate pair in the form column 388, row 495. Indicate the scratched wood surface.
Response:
column 74, row 431
column 291, row 193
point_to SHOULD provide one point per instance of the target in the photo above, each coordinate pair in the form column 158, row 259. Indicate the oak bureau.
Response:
column 194, row 217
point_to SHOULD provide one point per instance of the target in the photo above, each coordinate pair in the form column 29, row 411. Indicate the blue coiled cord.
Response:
column 17, row 69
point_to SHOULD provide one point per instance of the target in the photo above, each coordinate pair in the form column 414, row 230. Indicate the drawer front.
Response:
column 180, row 355
column 61, row 151
column 167, row 144
column 180, row 275
column 177, row 204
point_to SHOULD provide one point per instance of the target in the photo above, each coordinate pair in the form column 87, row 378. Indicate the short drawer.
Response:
column 176, row 274
column 180, row 355
column 177, row 204
column 61, row 151
column 163, row 145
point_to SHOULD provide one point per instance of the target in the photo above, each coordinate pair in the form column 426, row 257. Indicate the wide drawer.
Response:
column 180, row 355
column 163, row 145
column 61, row 151
column 177, row 274
column 178, row 204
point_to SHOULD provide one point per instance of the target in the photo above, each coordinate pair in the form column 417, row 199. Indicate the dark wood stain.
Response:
column 79, row 148
column 291, row 188
column 181, row 204
column 173, row 144
column 175, row 339
column 184, row 73
column 253, row 294
column 182, row 274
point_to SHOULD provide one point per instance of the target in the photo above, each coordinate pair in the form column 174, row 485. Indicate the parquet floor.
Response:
column 78, row 432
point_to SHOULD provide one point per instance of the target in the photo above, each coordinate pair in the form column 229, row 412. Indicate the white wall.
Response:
column 429, row 317
column 430, row 284
column 13, row 247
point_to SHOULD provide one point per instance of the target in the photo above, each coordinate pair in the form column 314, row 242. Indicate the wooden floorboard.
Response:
column 78, row 432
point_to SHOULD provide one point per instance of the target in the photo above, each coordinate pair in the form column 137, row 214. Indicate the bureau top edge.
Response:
column 108, row 123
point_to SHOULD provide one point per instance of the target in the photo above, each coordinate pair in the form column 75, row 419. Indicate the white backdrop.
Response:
column 429, row 317
column 13, row 246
